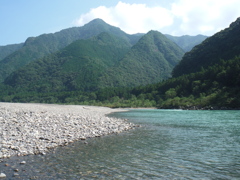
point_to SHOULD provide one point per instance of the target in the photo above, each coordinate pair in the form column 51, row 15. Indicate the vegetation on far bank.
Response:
column 206, row 77
column 216, row 86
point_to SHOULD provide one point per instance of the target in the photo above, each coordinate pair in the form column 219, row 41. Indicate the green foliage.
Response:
column 76, row 67
column 150, row 60
column 171, row 93
column 102, row 61
column 222, row 45
column 37, row 47
column 9, row 49
column 215, row 86
column 103, row 69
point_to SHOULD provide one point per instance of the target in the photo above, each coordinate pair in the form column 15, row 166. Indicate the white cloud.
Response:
column 131, row 18
column 205, row 16
column 183, row 17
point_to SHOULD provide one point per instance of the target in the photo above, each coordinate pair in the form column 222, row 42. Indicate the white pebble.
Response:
column 35, row 128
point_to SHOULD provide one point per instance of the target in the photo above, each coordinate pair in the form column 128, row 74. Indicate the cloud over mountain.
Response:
column 183, row 16
column 131, row 18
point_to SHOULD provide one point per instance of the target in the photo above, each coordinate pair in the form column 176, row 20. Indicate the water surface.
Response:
column 170, row 144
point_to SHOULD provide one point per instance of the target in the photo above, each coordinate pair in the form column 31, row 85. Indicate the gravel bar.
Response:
column 35, row 128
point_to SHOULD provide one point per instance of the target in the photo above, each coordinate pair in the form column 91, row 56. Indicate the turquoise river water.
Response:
column 170, row 144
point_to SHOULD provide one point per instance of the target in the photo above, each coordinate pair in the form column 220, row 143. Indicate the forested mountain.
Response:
column 215, row 87
column 13, row 57
column 76, row 67
column 9, row 49
column 150, row 60
column 102, row 61
column 207, row 77
column 38, row 47
column 99, row 64
column 223, row 45
column 187, row 42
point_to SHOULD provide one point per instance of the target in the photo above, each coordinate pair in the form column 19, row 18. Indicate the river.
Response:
column 170, row 144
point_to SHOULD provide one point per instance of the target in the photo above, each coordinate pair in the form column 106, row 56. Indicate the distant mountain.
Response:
column 102, row 61
column 187, row 42
column 9, row 49
column 207, row 77
column 38, row 47
column 76, row 67
column 14, row 57
column 223, row 45
column 150, row 60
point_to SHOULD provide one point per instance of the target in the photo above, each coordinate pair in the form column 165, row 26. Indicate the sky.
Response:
column 20, row 19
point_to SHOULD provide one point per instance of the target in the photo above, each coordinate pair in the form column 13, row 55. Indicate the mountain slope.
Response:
column 9, row 49
column 215, row 87
column 223, row 45
column 150, row 60
column 76, row 67
column 187, row 42
column 38, row 47
column 102, row 61
column 207, row 77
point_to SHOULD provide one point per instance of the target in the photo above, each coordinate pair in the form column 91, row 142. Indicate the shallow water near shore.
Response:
column 170, row 144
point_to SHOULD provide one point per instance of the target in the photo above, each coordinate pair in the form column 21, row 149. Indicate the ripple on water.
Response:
column 169, row 145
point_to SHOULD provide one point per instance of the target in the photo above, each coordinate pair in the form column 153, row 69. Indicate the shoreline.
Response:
column 201, row 108
column 27, row 128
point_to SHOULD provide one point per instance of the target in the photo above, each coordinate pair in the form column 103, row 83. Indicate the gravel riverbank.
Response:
column 36, row 128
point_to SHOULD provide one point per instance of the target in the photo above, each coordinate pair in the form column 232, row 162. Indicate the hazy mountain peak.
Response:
column 97, row 21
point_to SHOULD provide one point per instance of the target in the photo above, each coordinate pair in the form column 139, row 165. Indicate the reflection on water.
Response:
column 169, row 145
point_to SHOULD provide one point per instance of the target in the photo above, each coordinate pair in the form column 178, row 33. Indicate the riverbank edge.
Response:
column 90, row 122
column 200, row 108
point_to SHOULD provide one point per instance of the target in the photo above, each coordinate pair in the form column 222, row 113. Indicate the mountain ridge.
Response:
column 211, row 51
column 67, row 69
column 210, row 78
column 154, row 56
column 187, row 42
column 102, row 61
column 9, row 49
column 40, row 46
column 37, row 47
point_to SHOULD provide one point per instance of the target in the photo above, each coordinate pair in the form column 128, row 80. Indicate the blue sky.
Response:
column 21, row 19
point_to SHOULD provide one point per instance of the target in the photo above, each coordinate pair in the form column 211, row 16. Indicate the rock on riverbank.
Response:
column 35, row 128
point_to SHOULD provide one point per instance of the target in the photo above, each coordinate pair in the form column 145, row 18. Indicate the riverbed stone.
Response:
column 36, row 128
column 15, row 174
column 2, row 175
column 23, row 162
